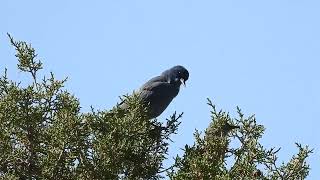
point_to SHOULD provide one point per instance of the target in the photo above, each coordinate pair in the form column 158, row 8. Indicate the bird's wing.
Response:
column 155, row 84
column 158, row 90
column 147, row 89
column 154, row 80
column 158, row 94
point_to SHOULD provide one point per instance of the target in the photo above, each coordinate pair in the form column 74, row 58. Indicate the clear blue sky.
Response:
column 263, row 56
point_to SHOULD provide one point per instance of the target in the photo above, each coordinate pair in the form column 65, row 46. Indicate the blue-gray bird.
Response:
column 159, row 91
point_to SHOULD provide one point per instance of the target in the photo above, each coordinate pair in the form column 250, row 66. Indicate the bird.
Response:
column 159, row 91
column 226, row 128
column 220, row 130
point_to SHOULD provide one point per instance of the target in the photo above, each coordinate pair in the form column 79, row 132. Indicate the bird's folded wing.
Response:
column 148, row 89
column 155, row 83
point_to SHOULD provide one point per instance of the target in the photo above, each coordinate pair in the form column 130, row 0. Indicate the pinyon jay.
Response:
column 159, row 91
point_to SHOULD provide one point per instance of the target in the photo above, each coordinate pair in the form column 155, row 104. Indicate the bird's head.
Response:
column 176, row 75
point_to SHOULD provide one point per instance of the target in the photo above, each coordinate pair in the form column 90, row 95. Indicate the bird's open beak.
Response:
column 183, row 82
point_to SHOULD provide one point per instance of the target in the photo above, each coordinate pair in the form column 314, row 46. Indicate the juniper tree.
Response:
column 211, row 156
column 44, row 135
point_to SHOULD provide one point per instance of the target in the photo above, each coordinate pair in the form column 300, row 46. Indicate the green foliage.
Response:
column 127, row 144
column 211, row 156
column 43, row 135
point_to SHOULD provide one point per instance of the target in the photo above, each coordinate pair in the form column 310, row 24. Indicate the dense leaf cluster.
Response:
column 212, row 157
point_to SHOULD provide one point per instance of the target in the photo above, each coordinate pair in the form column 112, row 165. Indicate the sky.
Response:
column 262, row 56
